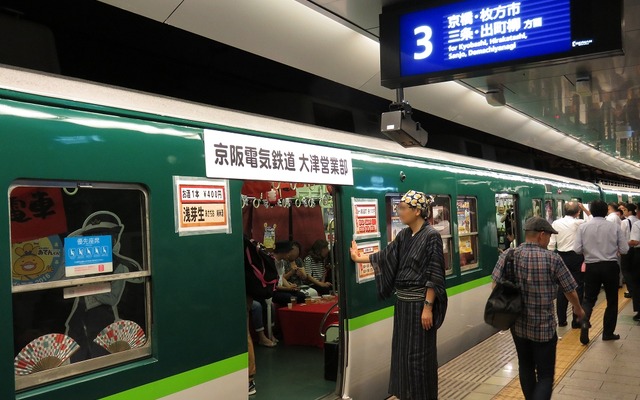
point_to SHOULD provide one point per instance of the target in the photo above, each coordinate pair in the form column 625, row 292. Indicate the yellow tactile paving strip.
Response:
column 568, row 351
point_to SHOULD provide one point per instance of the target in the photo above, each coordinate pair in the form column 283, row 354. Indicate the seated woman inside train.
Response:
column 295, row 272
column 257, row 319
column 316, row 263
column 285, row 290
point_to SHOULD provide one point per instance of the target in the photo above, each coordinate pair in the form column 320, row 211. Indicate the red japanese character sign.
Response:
column 36, row 212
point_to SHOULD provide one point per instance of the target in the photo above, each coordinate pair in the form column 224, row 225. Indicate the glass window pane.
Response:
column 537, row 207
column 80, row 276
column 548, row 210
column 467, row 232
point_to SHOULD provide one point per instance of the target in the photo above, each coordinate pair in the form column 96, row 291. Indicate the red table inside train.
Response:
column 301, row 324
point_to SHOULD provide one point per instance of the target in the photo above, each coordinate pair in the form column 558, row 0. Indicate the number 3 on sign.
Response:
column 424, row 41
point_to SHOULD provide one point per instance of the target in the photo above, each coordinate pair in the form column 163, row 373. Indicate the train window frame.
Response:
column 470, row 233
column 142, row 277
column 447, row 239
column 536, row 204
column 560, row 208
column 393, row 223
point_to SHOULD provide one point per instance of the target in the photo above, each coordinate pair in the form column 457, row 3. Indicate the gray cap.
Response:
column 538, row 224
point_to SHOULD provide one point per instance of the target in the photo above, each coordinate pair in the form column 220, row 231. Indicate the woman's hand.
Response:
column 427, row 318
column 325, row 284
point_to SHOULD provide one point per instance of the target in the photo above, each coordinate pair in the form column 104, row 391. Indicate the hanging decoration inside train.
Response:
column 269, row 240
column 285, row 194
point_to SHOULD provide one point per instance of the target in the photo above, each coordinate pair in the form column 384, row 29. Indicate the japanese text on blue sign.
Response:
column 477, row 32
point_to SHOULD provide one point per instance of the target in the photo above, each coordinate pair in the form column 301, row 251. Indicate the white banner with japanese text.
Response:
column 201, row 205
column 236, row 156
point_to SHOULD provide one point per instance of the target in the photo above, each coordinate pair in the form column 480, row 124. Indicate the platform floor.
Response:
column 600, row 370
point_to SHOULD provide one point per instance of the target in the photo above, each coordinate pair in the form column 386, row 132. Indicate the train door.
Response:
column 507, row 221
column 295, row 333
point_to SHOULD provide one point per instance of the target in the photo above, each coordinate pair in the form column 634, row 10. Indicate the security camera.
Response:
column 401, row 128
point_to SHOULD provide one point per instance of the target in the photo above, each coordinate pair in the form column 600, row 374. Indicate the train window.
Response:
column 506, row 221
column 467, row 208
column 80, row 278
column 440, row 219
column 559, row 209
column 537, row 207
column 548, row 210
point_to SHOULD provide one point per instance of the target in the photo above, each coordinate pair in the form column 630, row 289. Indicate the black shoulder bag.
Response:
column 504, row 305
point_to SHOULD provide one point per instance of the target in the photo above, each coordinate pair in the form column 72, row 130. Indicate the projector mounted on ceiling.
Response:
column 398, row 125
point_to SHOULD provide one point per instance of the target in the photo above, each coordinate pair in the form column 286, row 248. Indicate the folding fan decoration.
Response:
column 46, row 352
column 120, row 336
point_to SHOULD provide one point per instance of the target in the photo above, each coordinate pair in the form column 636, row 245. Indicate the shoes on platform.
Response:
column 575, row 325
column 627, row 295
column 584, row 333
column 612, row 336
column 636, row 317
column 562, row 324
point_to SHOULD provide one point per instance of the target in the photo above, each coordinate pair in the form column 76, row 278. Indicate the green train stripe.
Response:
column 183, row 381
column 379, row 315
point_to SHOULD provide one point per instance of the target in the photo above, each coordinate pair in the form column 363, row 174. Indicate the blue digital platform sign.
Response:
column 421, row 45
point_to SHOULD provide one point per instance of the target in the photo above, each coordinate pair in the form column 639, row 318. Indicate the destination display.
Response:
column 475, row 37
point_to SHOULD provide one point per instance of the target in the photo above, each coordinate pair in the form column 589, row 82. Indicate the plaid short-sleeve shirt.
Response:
column 538, row 272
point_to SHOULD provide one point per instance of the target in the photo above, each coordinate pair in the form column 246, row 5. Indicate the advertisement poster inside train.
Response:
column 365, row 218
column 201, row 206
column 394, row 225
column 365, row 270
column 464, row 217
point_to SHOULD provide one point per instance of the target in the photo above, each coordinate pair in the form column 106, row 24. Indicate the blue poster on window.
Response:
column 87, row 255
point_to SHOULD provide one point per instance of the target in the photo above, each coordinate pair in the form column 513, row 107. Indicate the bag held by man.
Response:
column 504, row 305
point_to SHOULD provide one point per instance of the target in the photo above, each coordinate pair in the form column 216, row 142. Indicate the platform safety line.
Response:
column 568, row 351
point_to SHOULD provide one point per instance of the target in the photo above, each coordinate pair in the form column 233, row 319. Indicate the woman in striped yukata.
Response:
column 412, row 266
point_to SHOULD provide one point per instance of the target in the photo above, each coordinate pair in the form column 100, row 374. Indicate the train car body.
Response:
column 122, row 151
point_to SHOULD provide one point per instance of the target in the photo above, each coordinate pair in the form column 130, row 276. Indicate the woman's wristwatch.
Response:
column 428, row 303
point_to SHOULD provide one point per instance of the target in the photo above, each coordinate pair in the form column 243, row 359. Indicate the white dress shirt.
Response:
column 599, row 240
column 635, row 232
column 626, row 225
column 566, row 237
column 614, row 217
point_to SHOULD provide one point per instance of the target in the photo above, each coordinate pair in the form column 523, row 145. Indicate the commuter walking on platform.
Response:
column 563, row 242
column 413, row 266
column 632, row 275
column 600, row 241
column 629, row 273
column 539, row 272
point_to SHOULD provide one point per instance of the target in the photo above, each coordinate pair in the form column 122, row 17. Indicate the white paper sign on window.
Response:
column 201, row 206
column 235, row 156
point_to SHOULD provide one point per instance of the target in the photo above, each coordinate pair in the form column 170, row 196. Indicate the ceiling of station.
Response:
column 607, row 115
column 337, row 40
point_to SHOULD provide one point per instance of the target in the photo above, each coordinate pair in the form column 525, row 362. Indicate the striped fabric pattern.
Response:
column 411, row 263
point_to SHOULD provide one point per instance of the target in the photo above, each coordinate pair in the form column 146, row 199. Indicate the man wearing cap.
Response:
column 563, row 242
column 539, row 272
column 600, row 241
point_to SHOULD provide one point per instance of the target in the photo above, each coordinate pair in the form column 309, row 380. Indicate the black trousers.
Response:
column 630, row 268
column 573, row 261
column 605, row 274
column 536, row 364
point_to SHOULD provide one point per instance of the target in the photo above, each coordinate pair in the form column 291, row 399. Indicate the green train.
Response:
column 123, row 238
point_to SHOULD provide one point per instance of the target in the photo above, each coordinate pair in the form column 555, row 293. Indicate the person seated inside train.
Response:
column 295, row 272
column 316, row 264
column 257, row 320
column 285, row 290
